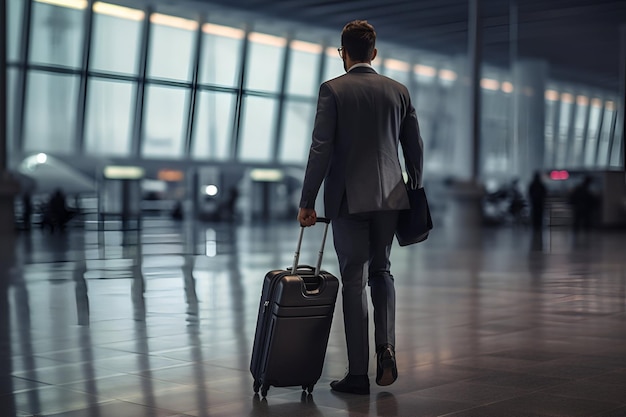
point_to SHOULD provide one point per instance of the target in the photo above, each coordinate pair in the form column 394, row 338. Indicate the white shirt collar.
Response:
column 360, row 64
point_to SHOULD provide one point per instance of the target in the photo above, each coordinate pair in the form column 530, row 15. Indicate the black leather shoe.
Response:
column 386, row 370
column 352, row 384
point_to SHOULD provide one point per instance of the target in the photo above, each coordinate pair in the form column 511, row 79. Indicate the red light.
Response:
column 559, row 175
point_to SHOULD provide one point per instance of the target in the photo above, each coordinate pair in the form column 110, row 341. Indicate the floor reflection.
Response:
column 306, row 407
column 7, row 403
column 159, row 322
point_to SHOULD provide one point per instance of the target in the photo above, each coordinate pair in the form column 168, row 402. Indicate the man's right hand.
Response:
column 307, row 217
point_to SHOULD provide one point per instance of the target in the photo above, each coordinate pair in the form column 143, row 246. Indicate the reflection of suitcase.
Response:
column 295, row 314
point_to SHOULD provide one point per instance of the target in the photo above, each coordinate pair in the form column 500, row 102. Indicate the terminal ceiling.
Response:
column 580, row 39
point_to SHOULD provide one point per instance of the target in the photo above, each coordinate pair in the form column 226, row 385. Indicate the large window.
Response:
column 57, row 34
column 567, row 107
column 495, row 133
column 171, row 46
column 115, row 41
column 582, row 109
column 425, row 75
column 427, row 86
column 296, row 132
column 221, row 55
column 11, row 85
column 257, row 131
column 549, row 140
column 428, row 98
column 579, row 129
column 108, row 127
column 303, row 68
column 213, row 125
column 334, row 65
column 592, row 132
column 15, row 10
column 605, row 135
column 50, row 117
column 265, row 62
column 617, row 154
column 398, row 70
column 165, row 122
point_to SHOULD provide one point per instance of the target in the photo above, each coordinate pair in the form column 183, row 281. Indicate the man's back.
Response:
column 370, row 113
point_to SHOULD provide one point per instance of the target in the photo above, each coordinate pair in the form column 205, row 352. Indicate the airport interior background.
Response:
column 153, row 154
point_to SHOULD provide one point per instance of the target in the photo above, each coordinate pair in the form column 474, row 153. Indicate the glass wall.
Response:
column 253, row 107
column 57, row 34
column 165, row 122
column 257, row 131
column 302, row 86
column 552, row 108
column 398, row 70
column 431, row 99
column 109, row 101
column 296, row 132
column 617, row 153
column 265, row 62
column 116, row 39
column 221, row 55
column 15, row 12
column 334, row 65
column 171, row 45
column 496, row 134
column 50, row 113
column 580, row 129
column 11, row 94
column 565, row 121
column 593, row 131
column 574, row 159
column 603, row 157
column 213, row 126
column 303, row 67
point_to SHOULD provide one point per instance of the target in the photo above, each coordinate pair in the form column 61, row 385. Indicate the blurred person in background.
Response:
column 583, row 203
column 537, row 193
column 27, row 210
column 55, row 212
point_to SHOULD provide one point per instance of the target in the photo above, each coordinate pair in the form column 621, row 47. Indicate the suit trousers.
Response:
column 363, row 245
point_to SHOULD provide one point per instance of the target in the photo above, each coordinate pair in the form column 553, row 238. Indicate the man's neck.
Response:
column 360, row 64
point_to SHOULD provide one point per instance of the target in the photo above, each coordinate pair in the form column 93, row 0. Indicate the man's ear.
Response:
column 374, row 54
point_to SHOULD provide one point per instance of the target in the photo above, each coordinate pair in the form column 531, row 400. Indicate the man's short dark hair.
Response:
column 359, row 40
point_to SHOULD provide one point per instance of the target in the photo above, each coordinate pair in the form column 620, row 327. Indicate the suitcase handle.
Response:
column 305, row 267
column 296, row 257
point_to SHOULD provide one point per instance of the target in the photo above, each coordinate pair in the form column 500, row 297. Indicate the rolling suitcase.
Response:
column 293, row 325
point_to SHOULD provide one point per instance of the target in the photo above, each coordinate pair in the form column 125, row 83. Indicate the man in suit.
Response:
column 361, row 117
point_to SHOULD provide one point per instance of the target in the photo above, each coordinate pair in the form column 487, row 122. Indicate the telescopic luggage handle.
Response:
column 296, row 257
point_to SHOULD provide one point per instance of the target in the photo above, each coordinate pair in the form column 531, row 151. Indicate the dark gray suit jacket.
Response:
column 361, row 117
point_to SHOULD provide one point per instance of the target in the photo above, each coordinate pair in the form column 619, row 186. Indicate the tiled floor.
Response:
column 492, row 322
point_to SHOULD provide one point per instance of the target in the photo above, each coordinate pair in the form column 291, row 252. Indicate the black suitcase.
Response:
column 293, row 325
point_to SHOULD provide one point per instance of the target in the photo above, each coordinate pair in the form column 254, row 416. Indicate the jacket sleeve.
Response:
column 322, row 145
column 412, row 147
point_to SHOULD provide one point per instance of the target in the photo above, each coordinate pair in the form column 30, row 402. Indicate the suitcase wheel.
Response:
column 256, row 387
column 264, row 389
column 308, row 388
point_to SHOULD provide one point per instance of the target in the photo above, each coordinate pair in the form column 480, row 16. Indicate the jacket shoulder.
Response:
column 396, row 84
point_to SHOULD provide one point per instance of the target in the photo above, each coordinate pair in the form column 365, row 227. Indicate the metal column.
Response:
column 3, row 86
column 622, row 91
column 475, row 60
column 8, row 186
